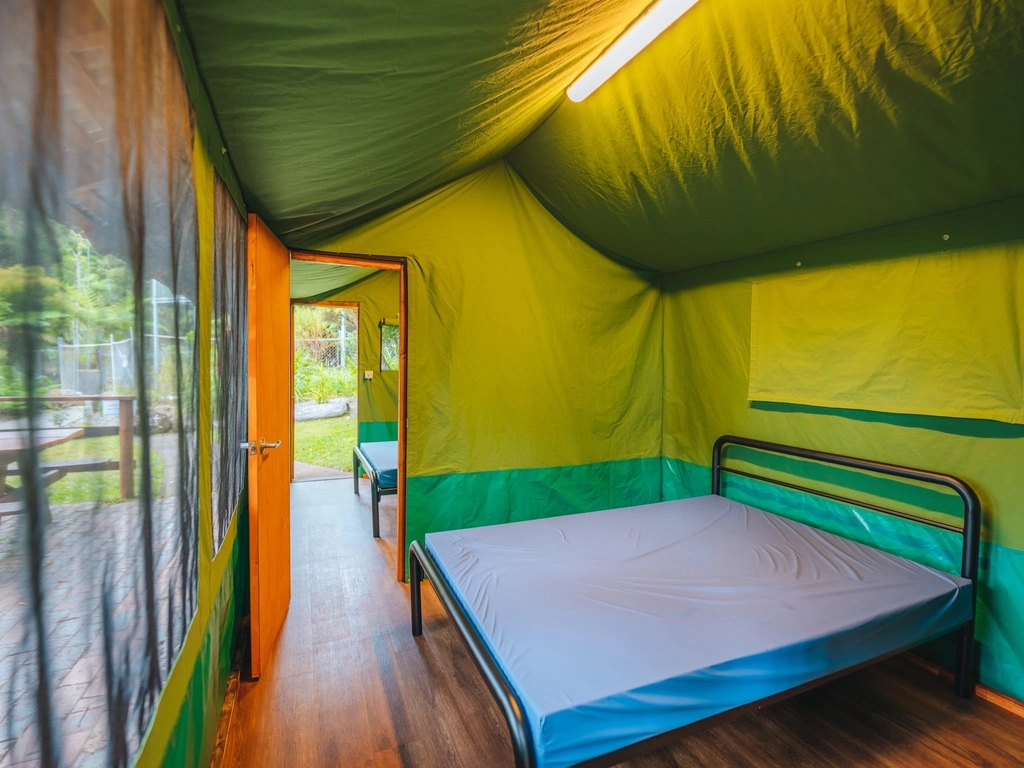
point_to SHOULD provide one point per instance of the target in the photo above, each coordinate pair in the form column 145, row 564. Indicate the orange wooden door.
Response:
column 270, row 349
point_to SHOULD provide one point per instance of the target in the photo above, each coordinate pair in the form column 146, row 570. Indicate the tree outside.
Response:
column 77, row 315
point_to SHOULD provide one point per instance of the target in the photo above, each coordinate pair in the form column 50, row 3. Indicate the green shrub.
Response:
column 319, row 383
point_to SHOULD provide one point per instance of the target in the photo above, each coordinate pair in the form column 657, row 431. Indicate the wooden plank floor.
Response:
column 349, row 686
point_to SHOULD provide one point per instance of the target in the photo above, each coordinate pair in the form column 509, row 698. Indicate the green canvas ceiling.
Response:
column 312, row 280
column 753, row 126
column 334, row 111
column 747, row 127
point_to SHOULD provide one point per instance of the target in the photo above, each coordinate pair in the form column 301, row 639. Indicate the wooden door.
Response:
column 269, row 440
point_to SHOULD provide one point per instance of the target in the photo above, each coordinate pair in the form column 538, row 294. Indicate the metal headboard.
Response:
column 970, row 530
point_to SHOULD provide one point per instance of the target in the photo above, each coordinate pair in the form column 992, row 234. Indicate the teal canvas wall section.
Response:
column 505, row 496
column 194, row 732
column 377, row 431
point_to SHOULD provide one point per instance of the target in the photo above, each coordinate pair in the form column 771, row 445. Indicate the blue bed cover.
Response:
column 383, row 456
column 618, row 625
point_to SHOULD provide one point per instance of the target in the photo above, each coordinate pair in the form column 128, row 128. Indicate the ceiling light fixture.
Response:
column 635, row 39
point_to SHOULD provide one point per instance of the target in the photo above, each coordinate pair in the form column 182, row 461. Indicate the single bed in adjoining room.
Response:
column 380, row 462
column 609, row 629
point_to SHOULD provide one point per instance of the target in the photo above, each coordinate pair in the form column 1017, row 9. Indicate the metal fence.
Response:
column 108, row 367
column 91, row 369
column 331, row 352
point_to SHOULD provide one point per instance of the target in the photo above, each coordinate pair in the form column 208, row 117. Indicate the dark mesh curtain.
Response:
column 98, row 493
column 229, row 366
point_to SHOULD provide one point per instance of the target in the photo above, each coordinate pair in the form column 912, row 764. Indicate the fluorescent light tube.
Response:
column 634, row 40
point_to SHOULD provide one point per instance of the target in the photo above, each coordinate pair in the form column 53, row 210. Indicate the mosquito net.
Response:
column 98, row 325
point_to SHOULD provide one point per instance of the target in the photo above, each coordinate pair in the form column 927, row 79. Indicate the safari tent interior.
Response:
column 707, row 435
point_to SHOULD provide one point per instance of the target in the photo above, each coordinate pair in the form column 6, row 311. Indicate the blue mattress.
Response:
column 383, row 457
column 618, row 625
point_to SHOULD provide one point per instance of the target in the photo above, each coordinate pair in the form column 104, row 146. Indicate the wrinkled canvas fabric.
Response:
column 936, row 335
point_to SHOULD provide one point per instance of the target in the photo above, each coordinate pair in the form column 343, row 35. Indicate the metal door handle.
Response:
column 264, row 445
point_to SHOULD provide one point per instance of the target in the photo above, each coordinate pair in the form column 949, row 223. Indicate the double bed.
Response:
column 380, row 462
column 607, row 634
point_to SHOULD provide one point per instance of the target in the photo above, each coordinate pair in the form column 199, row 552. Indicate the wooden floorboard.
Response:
column 347, row 684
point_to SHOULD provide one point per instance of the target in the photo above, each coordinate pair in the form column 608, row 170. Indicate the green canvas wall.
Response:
column 534, row 362
column 378, row 397
column 707, row 354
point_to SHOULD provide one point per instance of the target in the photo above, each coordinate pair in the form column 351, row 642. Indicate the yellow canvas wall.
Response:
column 534, row 361
column 377, row 297
column 707, row 380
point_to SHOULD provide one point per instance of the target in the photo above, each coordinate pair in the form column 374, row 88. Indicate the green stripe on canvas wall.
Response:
column 192, row 739
column 377, row 431
column 446, row 502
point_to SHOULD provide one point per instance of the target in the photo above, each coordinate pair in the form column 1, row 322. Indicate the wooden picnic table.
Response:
column 126, row 431
column 13, row 443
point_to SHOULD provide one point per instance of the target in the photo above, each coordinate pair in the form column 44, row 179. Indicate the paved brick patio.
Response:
column 81, row 541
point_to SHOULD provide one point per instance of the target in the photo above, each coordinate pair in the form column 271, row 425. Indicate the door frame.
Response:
column 319, row 303
column 398, row 264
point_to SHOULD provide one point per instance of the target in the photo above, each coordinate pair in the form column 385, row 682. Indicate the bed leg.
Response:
column 355, row 473
column 375, row 509
column 963, row 683
column 415, row 580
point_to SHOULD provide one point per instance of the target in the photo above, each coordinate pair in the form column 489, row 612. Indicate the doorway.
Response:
column 387, row 338
column 325, row 353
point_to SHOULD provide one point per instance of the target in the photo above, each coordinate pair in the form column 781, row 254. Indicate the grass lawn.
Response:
column 93, row 486
column 326, row 442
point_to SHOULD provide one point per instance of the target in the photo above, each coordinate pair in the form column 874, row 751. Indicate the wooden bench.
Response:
column 11, row 505
column 75, row 465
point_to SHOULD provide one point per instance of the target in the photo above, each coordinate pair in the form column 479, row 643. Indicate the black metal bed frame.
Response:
column 376, row 491
column 422, row 564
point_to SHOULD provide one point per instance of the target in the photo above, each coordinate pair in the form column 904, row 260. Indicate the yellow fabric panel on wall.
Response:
column 708, row 350
column 527, row 348
column 934, row 335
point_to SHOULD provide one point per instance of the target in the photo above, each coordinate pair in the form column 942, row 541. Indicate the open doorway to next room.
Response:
column 326, row 338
